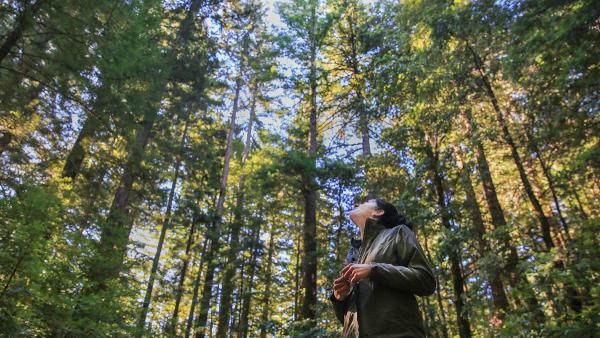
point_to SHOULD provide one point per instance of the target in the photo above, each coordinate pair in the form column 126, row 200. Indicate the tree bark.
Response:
column 339, row 231
column 544, row 222
column 77, row 154
column 21, row 22
column 584, row 215
column 497, row 214
column 268, row 278
column 234, row 245
column 499, row 298
column 190, row 319
column 215, row 231
column 163, row 232
column 74, row 160
column 462, row 316
column 309, row 262
column 108, row 262
column 248, row 292
column 297, row 289
column 574, row 301
column 182, row 276
column 363, row 118
column 533, row 146
column 444, row 321
column 237, row 303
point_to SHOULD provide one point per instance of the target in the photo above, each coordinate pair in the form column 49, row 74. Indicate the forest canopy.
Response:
column 186, row 168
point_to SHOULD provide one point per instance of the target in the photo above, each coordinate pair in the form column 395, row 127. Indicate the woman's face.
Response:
column 364, row 211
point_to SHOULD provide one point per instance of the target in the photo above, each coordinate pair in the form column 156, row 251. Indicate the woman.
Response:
column 375, row 293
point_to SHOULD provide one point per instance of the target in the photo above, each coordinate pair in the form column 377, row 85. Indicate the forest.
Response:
column 185, row 168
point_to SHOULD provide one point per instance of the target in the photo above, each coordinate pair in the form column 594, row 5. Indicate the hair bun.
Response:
column 400, row 219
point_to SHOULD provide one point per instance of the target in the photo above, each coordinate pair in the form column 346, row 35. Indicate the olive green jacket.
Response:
column 384, row 304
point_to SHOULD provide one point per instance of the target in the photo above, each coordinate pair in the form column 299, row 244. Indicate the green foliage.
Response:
column 31, row 261
column 95, row 97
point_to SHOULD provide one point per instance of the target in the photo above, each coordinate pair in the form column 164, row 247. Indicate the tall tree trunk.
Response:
column 539, row 211
column 297, row 292
column 443, row 320
column 462, row 316
column 533, row 146
column 190, row 319
column 215, row 231
column 574, row 301
column 264, row 318
column 76, row 155
column 248, row 292
column 108, row 262
column 163, row 232
column 234, row 245
column 584, row 215
column 182, row 276
column 499, row 298
column 309, row 262
column 363, row 118
column 237, row 304
column 74, row 160
column 21, row 22
column 497, row 214
column 338, row 236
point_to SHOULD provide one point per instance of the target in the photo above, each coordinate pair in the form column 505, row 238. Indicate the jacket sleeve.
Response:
column 341, row 306
column 417, row 277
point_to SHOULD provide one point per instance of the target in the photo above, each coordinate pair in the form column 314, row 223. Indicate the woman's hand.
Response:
column 341, row 287
column 356, row 272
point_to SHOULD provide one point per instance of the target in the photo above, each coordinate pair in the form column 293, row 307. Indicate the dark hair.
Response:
column 391, row 217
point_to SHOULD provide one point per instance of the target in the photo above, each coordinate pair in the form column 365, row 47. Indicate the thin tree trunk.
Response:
column 544, row 222
column 190, row 319
column 268, row 278
column 499, row 298
column 12, row 274
column 462, row 316
column 497, row 214
column 309, row 262
column 548, row 175
column 163, row 232
column 21, row 22
column 182, row 276
column 237, row 305
column 247, row 295
column 363, row 120
column 202, row 318
column 76, row 155
column 582, row 212
column 444, row 321
column 74, row 160
column 108, row 262
column 214, row 232
column 297, row 293
column 338, row 236
column 234, row 245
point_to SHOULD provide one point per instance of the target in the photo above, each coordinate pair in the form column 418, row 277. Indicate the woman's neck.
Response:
column 360, row 223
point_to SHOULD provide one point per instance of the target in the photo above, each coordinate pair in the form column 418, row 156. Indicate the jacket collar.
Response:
column 373, row 226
